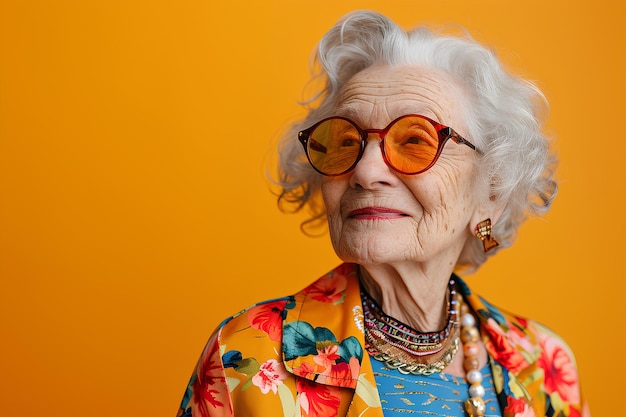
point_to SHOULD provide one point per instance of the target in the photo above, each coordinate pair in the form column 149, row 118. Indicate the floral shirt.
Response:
column 304, row 355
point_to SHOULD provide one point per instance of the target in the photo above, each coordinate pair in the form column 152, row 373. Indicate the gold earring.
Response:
column 483, row 232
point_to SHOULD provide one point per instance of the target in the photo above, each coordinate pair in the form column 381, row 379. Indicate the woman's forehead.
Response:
column 385, row 93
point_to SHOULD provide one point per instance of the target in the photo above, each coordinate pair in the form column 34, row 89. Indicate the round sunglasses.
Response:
column 411, row 144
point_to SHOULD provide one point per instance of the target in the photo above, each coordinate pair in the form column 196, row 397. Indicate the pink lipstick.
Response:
column 376, row 213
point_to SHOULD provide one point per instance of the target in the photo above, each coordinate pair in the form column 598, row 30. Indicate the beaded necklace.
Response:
column 474, row 406
column 409, row 351
column 403, row 348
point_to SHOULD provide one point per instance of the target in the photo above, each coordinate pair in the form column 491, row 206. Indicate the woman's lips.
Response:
column 376, row 213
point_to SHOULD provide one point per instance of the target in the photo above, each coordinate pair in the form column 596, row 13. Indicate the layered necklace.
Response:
column 401, row 347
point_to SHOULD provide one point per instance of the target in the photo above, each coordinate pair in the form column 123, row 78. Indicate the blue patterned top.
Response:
column 438, row 394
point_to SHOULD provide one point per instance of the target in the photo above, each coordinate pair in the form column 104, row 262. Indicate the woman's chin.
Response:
column 373, row 250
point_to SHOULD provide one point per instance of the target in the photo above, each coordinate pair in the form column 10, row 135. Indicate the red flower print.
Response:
column 268, row 318
column 517, row 407
column 501, row 349
column 573, row 412
column 559, row 368
column 317, row 400
column 328, row 289
column 519, row 338
column 514, row 405
column 210, row 392
column 342, row 374
column 306, row 370
column 522, row 321
column 270, row 376
column 328, row 356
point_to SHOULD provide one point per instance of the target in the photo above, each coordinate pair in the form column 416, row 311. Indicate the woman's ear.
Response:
column 493, row 212
column 491, row 208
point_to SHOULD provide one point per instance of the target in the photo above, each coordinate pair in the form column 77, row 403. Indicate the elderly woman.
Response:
column 425, row 154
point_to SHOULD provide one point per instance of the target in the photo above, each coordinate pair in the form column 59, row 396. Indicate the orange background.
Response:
column 128, row 230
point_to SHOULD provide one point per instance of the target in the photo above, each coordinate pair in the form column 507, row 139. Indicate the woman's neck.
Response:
column 409, row 294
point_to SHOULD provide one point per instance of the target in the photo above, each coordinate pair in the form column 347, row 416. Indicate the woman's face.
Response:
column 377, row 216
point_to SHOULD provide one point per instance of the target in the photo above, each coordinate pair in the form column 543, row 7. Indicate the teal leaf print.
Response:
column 301, row 339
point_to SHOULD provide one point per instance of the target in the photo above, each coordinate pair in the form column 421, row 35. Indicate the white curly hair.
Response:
column 504, row 118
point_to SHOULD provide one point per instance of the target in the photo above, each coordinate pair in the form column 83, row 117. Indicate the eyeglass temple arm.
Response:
column 450, row 133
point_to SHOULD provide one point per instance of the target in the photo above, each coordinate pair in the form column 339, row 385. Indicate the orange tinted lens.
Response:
column 334, row 146
column 411, row 144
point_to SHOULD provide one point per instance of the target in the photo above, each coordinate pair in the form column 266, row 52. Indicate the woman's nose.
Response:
column 371, row 171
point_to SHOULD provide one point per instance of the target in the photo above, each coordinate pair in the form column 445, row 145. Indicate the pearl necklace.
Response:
column 400, row 347
column 475, row 405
